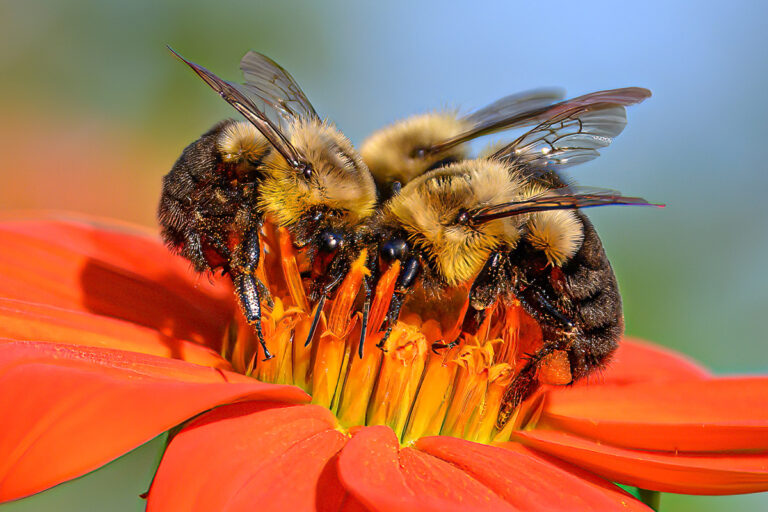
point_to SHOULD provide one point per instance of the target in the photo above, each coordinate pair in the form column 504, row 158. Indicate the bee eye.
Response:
column 392, row 250
column 330, row 241
column 306, row 170
column 462, row 217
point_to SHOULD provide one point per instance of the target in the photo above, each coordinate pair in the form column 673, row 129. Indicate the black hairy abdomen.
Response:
column 591, row 289
column 198, row 204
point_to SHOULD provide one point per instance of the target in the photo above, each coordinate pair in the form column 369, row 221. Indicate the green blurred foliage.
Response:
column 692, row 275
column 114, row 488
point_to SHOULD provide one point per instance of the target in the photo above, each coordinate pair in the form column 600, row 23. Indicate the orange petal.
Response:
column 350, row 504
column 384, row 477
column 658, row 471
column 382, row 297
column 252, row 456
column 27, row 321
column 68, row 409
column 640, row 361
column 112, row 272
column 703, row 415
column 529, row 481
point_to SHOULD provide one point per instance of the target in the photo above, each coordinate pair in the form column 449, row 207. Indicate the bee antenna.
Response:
column 315, row 320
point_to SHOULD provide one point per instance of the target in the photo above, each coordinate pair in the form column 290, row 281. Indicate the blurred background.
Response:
column 95, row 111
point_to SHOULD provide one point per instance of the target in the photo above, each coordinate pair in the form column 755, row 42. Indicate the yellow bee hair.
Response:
column 428, row 208
column 558, row 233
column 389, row 152
column 240, row 142
column 340, row 180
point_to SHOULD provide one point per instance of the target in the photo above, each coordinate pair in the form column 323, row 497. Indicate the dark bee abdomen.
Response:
column 595, row 304
column 198, row 204
column 578, row 308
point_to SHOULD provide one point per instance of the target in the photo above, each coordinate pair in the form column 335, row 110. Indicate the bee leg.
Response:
column 366, row 310
column 264, row 294
column 219, row 245
column 535, row 302
column 193, row 251
column 247, row 285
column 522, row 386
column 439, row 345
column 326, row 291
column 405, row 281
column 487, row 286
column 248, row 296
column 315, row 319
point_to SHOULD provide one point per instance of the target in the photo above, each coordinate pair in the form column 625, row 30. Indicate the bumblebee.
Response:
column 510, row 227
column 406, row 149
column 298, row 171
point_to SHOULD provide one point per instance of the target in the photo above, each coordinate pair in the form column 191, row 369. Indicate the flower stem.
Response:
column 650, row 498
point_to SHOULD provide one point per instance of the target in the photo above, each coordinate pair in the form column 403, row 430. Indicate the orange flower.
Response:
column 107, row 340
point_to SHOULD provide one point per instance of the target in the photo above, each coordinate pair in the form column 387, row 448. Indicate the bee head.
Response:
column 331, row 177
column 435, row 211
column 396, row 153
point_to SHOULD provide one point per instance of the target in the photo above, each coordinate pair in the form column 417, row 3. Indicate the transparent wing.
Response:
column 566, row 198
column 533, row 107
column 625, row 96
column 507, row 112
column 275, row 86
column 246, row 106
column 574, row 130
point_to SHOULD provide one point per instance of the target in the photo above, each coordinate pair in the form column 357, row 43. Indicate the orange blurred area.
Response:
column 86, row 165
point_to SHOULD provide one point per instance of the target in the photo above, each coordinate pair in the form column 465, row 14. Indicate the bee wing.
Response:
column 566, row 198
column 532, row 107
column 574, row 130
column 275, row 86
column 246, row 106
column 507, row 112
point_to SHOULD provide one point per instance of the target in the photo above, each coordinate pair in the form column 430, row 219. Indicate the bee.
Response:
column 299, row 171
column 511, row 228
column 406, row 149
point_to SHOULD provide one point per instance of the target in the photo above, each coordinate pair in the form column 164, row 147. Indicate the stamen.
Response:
column 469, row 389
column 315, row 319
column 358, row 385
column 291, row 271
column 435, row 390
column 499, row 377
column 385, row 288
column 338, row 320
column 326, row 367
column 278, row 325
column 332, row 350
column 457, row 391
column 302, row 355
column 401, row 368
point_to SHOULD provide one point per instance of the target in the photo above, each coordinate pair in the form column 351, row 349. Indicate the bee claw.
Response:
column 448, row 346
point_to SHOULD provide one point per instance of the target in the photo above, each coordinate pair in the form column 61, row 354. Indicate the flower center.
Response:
column 410, row 384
